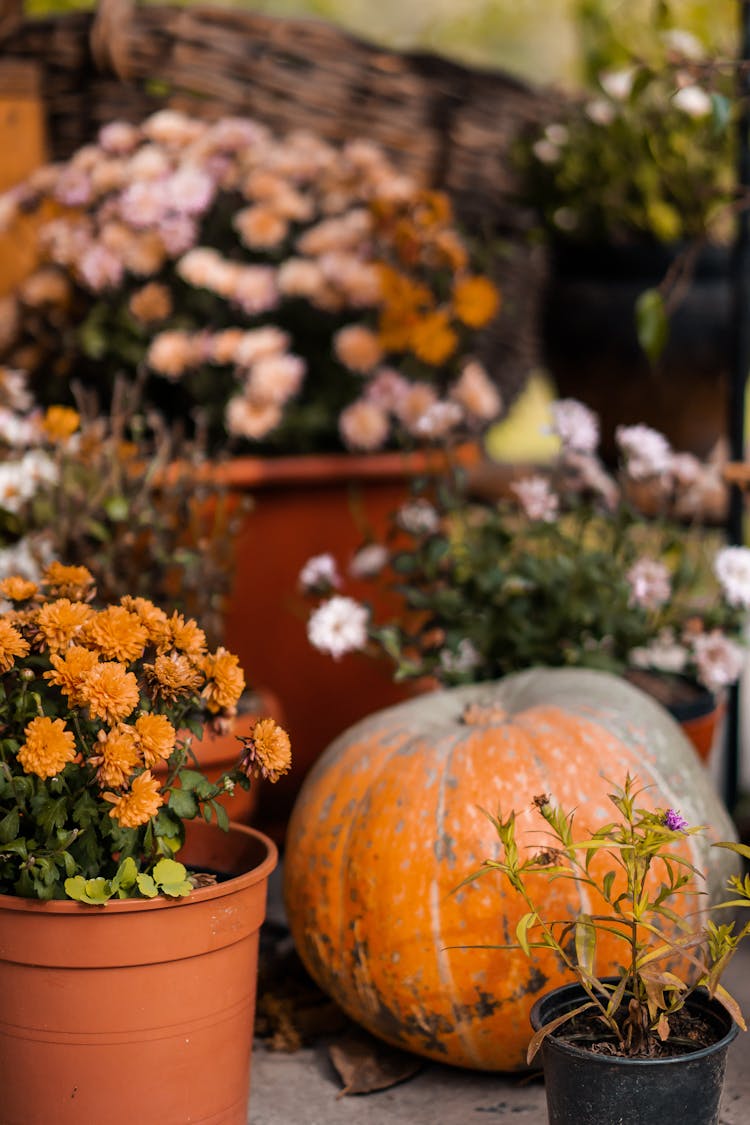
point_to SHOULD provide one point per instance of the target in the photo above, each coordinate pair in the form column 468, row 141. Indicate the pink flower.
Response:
column 254, row 420
column 368, row 561
column 144, row 203
column 647, row 452
column 575, row 425
column 73, row 188
column 300, row 277
column 438, row 421
column 171, row 354
column 169, row 127
column 178, row 233
column 319, row 574
column 119, row 137
column 253, row 288
column 536, row 498
column 363, row 426
column 719, row 660
column 387, row 389
column 189, row 190
column 260, row 226
column 99, row 268
column 275, row 378
column 650, row 584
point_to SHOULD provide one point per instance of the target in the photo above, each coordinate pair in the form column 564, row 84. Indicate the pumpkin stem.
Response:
column 482, row 714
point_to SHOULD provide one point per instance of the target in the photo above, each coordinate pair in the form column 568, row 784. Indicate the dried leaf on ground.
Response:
column 365, row 1065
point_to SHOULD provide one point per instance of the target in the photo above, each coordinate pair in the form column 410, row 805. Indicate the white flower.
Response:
column 664, row 654
column 683, row 42
column 719, row 660
column 319, row 573
column 557, row 133
column 465, row 659
column 418, row 517
column 545, row 151
column 575, row 425
column 25, row 558
column 338, row 626
column 647, row 453
column 368, row 561
column 732, row 568
column 536, row 498
column 438, row 420
column 693, row 101
column 617, row 83
column 650, row 584
column 600, row 111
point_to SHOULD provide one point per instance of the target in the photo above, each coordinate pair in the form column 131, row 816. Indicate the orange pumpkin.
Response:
column 389, row 822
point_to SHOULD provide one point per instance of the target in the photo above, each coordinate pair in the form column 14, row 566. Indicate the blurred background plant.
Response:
column 124, row 494
column 305, row 297
column 567, row 566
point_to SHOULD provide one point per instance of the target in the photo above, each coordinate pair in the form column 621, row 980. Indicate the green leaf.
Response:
column 117, row 508
column 222, row 816
column 146, row 885
column 586, row 943
column 169, row 871
column 651, row 323
column 9, row 826
column 522, row 929
column 93, row 892
column 183, row 803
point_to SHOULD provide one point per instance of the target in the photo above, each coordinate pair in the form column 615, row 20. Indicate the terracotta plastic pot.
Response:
column 141, row 1010
column 304, row 506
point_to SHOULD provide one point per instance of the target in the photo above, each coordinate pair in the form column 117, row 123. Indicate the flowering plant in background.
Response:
column 567, row 566
column 98, row 773
column 632, row 871
column 124, row 494
column 298, row 295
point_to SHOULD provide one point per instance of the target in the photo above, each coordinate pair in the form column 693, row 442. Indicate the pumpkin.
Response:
column 389, row 822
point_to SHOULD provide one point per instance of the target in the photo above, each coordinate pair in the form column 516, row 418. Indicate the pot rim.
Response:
column 570, row 1049
column 256, row 874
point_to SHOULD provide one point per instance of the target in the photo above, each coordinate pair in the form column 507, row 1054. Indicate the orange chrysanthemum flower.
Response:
column 399, row 292
column 153, row 619
column 117, row 756
column 70, row 670
column 268, row 751
column 172, row 675
column 117, row 634
column 12, row 645
column 60, row 422
column 17, row 589
column 432, row 338
column 156, row 738
column 450, row 248
column 226, row 681
column 186, row 635
column 59, row 623
column 476, row 301
column 139, row 804
column 69, row 581
column 48, row 748
column 110, row 692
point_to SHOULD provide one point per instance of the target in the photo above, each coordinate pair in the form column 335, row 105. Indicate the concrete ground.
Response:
column 303, row 1087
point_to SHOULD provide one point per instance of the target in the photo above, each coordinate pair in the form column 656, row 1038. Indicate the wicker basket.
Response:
column 449, row 125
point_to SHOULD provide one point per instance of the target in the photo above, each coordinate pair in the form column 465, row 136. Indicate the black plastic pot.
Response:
column 584, row 1088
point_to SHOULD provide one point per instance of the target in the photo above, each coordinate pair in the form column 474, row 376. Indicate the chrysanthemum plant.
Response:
column 101, row 709
column 306, row 297
column 633, row 872
column 570, row 565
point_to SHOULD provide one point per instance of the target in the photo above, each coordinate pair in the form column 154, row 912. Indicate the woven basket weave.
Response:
column 449, row 125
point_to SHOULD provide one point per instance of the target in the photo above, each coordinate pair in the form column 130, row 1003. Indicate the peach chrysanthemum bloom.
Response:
column 139, row 804
column 475, row 300
column 225, row 680
column 46, row 286
column 12, row 644
column 68, row 581
column 48, row 748
column 222, row 346
column 59, row 623
column 117, row 756
column 476, row 393
column 60, row 422
column 109, row 691
column 357, row 348
column 70, row 670
column 144, row 254
column 116, row 634
column 449, row 246
column 300, row 277
column 151, row 303
column 153, row 619
column 172, row 675
column 156, row 738
column 251, row 419
column 186, row 635
column 363, row 425
column 171, row 354
column 275, row 379
column 260, row 343
column 432, row 338
column 18, row 589
column 415, row 401
column 260, row 226
column 268, row 751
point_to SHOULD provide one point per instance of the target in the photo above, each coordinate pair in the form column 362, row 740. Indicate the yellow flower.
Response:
column 12, row 645
column 186, row 635
column 172, row 675
column 118, row 756
column 69, row 581
column 60, row 622
column 109, row 691
column 60, row 422
column 116, row 633
column 432, row 338
column 226, row 680
column 70, row 670
column 48, row 748
column 267, row 751
column 476, row 300
column 17, row 589
column 156, row 737
column 153, row 619
column 139, row 804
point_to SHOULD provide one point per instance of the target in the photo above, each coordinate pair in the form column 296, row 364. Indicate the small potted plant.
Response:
column 653, row 1037
column 121, row 891
column 566, row 566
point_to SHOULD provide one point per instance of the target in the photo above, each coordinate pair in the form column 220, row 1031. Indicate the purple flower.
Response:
column 674, row 822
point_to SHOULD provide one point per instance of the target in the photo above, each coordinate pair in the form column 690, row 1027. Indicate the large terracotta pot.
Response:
column 304, row 506
column 140, row 1010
